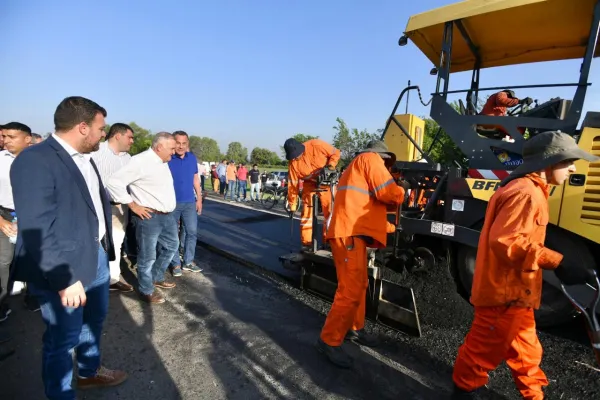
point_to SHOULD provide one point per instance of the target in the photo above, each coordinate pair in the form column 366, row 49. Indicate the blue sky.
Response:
column 254, row 71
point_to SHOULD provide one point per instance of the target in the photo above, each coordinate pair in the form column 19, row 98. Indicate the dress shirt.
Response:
column 83, row 162
column 201, row 169
column 109, row 162
column 149, row 181
column 6, row 197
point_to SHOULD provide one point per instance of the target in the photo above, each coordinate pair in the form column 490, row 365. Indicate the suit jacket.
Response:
column 57, row 240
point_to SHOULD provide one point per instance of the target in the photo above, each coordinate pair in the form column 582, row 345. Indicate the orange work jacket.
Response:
column 511, row 253
column 317, row 154
column 497, row 104
column 360, row 206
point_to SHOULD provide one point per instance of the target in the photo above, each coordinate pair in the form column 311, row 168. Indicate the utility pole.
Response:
column 407, row 96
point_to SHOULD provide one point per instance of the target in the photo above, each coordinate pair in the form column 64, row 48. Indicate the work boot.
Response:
column 459, row 394
column 362, row 337
column 335, row 354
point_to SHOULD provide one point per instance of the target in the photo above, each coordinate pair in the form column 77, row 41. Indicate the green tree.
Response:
column 205, row 149
column 349, row 141
column 237, row 152
column 262, row 156
column 142, row 138
column 444, row 150
column 301, row 137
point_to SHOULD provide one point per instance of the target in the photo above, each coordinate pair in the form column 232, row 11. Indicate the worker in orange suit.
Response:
column 358, row 221
column 507, row 285
column 497, row 104
column 306, row 161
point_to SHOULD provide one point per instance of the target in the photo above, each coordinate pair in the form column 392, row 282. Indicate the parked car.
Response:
column 278, row 178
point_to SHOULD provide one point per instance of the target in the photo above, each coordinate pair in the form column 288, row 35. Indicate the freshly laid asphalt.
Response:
column 234, row 332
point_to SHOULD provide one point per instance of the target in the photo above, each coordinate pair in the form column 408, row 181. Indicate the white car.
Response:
column 278, row 178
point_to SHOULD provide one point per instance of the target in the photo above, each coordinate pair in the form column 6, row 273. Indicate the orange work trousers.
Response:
column 349, row 303
column 502, row 334
column 306, row 220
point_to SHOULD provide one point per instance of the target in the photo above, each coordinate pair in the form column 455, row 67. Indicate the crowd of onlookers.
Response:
column 72, row 207
column 76, row 204
column 227, row 178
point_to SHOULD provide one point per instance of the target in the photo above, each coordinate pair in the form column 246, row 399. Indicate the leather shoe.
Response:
column 121, row 287
column 104, row 377
column 165, row 285
column 154, row 298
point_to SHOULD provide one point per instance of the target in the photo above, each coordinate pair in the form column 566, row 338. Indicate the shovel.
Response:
column 589, row 313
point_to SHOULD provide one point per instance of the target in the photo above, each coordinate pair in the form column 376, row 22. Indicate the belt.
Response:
column 114, row 203
column 5, row 213
column 153, row 211
column 104, row 243
column 158, row 212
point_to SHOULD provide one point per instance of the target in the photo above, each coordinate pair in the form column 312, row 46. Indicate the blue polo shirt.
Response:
column 183, row 171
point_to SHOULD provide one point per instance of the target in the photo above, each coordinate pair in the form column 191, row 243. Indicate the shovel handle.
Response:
column 589, row 313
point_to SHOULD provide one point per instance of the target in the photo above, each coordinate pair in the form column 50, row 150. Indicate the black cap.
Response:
column 293, row 149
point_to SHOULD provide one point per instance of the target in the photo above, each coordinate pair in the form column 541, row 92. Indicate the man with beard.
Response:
column 64, row 243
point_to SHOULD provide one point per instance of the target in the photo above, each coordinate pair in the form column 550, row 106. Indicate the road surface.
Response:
column 236, row 333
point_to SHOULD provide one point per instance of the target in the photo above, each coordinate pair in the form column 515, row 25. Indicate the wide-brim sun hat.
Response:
column 379, row 147
column 547, row 149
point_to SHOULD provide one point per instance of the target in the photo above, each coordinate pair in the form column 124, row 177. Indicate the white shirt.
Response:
column 91, row 180
column 6, row 197
column 149, row 181
column 201, row 169
column 109, row 162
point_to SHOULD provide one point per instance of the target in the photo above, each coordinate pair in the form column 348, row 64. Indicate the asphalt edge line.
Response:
column 247, row 207
column 248, row 264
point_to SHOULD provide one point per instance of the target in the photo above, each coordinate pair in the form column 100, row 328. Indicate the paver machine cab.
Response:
column 441, row 220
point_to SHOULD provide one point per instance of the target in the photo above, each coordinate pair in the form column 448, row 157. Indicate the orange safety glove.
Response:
column 390, row 228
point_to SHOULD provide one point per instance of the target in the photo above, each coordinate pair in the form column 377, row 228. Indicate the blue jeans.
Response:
column 222, row 185
column 158, row 241
column 242, row 189
column 69, row 328
column 186, row 213
column 230, row 189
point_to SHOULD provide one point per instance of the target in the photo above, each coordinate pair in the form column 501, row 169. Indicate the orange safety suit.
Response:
column 496, row 106
column 317, row 154
column 358, row 221
column 507, row 288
